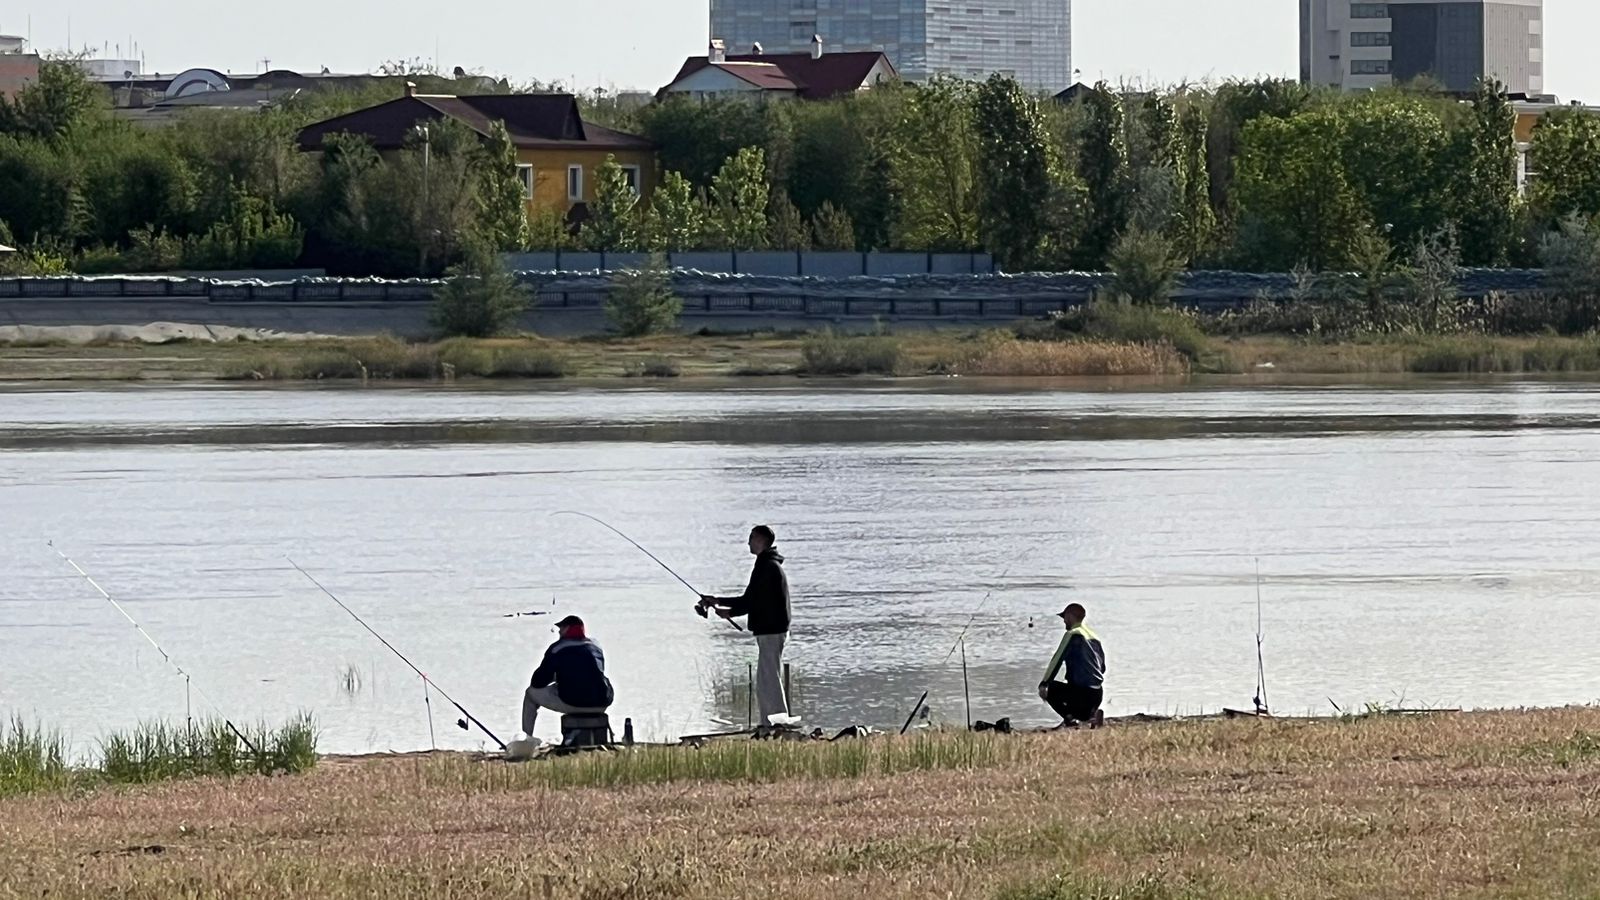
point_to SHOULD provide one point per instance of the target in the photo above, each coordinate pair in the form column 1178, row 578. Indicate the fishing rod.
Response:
column 981, row 603
column 188, row 681
column 426, row 681
column 641, row 549
column 1261, row 666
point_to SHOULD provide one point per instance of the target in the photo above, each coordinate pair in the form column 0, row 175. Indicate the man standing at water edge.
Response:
column 1084, row 660
column 766, row 602
column 570, row 679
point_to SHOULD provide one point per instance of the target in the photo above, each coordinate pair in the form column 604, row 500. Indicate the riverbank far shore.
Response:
column 990, row 352
column 1489, row 804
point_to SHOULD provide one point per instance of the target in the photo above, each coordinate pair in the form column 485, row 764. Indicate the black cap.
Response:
column 570, row 620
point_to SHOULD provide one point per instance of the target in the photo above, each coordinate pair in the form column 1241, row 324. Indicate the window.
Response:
column 525, row 175
column 1369, row 10
column 575, row 184
column 1369, row 67
column 632, row 174
column 1369, row 38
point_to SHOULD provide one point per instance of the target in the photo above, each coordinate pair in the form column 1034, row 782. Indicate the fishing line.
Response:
column 979, row 608
column 461, row 723
column 188, row 682
column 697, row 592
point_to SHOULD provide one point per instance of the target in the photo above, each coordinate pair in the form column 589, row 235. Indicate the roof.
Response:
column 815, row 78
column 534, row 121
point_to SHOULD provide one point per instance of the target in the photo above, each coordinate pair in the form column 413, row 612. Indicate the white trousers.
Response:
column 769, row 676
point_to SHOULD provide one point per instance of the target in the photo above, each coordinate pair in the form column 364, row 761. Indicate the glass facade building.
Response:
column 1030, row 40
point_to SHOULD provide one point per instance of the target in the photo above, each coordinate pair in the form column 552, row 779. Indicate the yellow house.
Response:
column 558, row 153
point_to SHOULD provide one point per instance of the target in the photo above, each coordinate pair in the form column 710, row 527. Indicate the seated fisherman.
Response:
column 570, row 679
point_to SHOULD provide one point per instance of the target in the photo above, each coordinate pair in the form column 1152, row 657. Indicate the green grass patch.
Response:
column 1127, row 323
column 827, row 353
column 1489, row 355
column 33, row 759
column 528, row 362
column 1581, row 748
column 736, row 761
column 157, row 751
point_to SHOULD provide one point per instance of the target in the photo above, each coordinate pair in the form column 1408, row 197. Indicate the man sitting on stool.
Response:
column 571, row 679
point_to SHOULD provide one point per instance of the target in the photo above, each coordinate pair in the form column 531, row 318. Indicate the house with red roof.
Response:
column 784, row 76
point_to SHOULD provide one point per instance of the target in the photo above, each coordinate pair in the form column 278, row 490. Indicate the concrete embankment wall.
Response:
column 571, row 303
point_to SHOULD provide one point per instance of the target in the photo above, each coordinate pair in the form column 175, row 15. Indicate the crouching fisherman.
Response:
column 1082, row 660
column 571, row 679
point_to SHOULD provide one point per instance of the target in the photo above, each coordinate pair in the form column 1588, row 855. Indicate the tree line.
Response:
column 1263, row 175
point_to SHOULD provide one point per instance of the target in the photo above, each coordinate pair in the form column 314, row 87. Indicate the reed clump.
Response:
column 827, row 353
column 1012, row 357
column 31, row 758
column 34, row 759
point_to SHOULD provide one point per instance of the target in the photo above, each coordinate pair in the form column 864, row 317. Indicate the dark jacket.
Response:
column 578, row 669
column 1082, row 656
column 766, row 599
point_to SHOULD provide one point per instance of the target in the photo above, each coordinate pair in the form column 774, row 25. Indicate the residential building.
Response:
column 1357, row 45
column 1030, row 40
column 784, row 76
column 18, row 67
column 557, row 152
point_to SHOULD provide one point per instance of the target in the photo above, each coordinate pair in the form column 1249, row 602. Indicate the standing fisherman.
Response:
column 1084, row 661
column 766, row 602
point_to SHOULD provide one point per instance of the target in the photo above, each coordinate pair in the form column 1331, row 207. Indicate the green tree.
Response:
column 62, row 99
column 1566, row 158
column 613, row 222
column 502, row 204
column 41, row 192
column 1295, row 202
column 1396, row 157
column 1103, row 166
column 786, row 228
column 676, row 220
column 479, row 297
column 1483, row 192
column 1199, row 221
column 739, row 201
column 1571, row 258
column 1234, row 107
column 831, row 229
column 641, row 301
column 1017, row 176
column 697, row 138
column 933, row 153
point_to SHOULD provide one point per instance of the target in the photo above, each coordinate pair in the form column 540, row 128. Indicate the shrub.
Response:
column 1125, row 322
column 641, row 301
column 1571, row 258
column 1144, row 268
column 827, row 353
column 479, row 297
column 101, row 261
column 466, row 357
column 1011, row 357
column 389, row 357
column 528, row 363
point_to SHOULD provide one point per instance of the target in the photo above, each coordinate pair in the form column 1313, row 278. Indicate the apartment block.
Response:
column 1357, row 45
column 1030, row 40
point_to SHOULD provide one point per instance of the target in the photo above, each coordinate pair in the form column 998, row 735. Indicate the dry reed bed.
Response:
column 1487, row 805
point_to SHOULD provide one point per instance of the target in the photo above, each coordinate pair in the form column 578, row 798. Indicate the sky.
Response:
column 639, row 44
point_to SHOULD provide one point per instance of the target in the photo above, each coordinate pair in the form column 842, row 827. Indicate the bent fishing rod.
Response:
column 697, row 592
column 428, row 682
column 188, row 681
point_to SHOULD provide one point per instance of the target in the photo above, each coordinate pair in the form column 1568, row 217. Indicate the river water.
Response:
column 1424, row 542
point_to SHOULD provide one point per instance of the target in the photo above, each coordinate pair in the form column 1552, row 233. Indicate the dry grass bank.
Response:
column 991, row 352
column 1480, row 805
